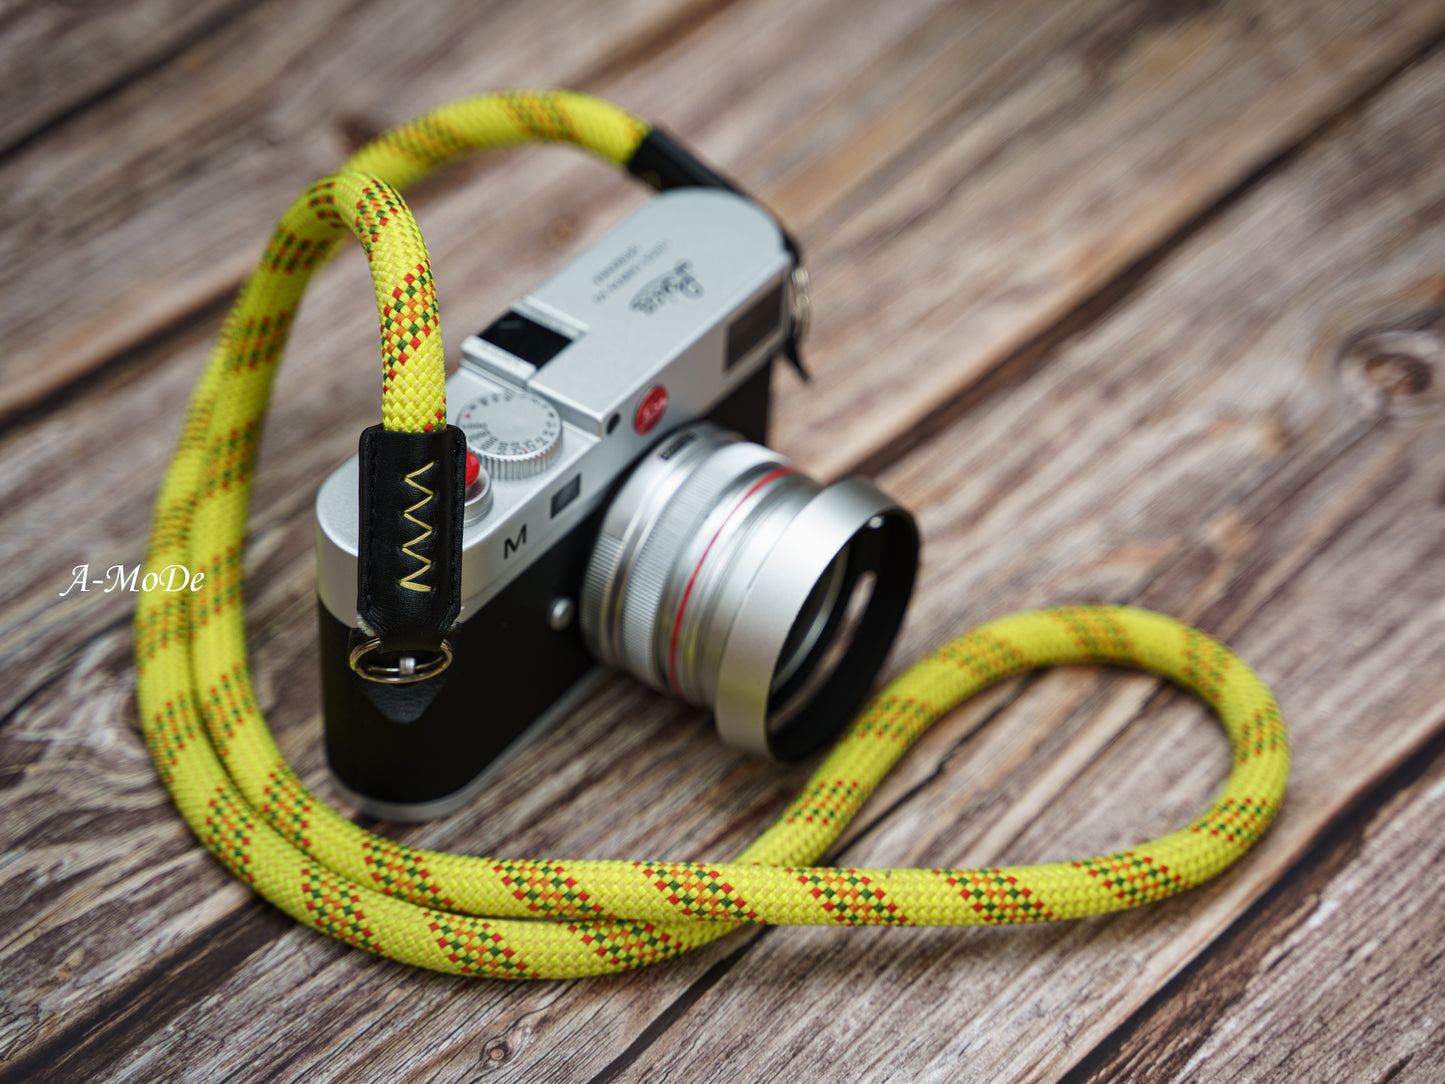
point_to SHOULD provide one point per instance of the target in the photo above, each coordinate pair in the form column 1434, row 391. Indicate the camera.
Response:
column 622, row 510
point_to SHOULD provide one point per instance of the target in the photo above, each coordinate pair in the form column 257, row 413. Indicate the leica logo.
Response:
column 677, row 283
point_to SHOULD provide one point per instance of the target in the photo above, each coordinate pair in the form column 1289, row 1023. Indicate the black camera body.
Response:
column 620, row 507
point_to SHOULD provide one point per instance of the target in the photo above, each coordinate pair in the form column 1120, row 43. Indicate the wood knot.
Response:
column 1399, row 374
column 496, row 1053
column 561, row 232
column 1399, row 370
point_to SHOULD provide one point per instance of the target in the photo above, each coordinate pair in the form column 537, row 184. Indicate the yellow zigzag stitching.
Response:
column 406, row 581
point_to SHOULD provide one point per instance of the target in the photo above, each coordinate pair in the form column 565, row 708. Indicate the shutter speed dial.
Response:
column 514, row 433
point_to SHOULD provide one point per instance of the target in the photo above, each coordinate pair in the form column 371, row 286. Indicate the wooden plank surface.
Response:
column 1246, row 506
column 1145, row 147
column 1192, row 409
column 219, row 139
column 58, row 58
column 1352, row 935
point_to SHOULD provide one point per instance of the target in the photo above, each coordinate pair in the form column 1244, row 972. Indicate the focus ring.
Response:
column 656, row 517
column 643, row 619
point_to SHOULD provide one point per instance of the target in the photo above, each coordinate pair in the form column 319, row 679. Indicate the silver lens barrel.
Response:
column 725, row 577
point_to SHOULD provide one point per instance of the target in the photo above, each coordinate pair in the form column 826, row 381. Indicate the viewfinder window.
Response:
column 761, row 319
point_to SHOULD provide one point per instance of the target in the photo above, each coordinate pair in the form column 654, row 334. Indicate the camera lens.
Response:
column 725, row 577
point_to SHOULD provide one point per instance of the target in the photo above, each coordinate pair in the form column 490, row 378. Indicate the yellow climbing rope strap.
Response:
column 543, row 918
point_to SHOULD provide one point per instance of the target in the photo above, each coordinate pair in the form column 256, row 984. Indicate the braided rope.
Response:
column 480, row 915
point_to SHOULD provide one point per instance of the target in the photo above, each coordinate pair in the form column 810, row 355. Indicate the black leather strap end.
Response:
column 409, row 568
column 664, row 163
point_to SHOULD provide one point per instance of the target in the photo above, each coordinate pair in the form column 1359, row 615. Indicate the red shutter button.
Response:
column 650, row 410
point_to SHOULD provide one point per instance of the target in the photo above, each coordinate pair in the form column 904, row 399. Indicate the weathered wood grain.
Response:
column 1026, row 73
column 1151, row 115
column 59, row 57
column 1352, row 937
column 1200, row 426
column 157, row 197
column 1188, row 455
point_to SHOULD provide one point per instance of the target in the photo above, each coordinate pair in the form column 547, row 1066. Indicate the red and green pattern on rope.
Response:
column 481, row 915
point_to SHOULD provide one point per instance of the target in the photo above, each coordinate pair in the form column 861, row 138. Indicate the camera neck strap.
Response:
column 478, row 915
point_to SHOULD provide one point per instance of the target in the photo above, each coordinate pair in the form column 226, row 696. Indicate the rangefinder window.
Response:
column 760, row 320
column 525, row 338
